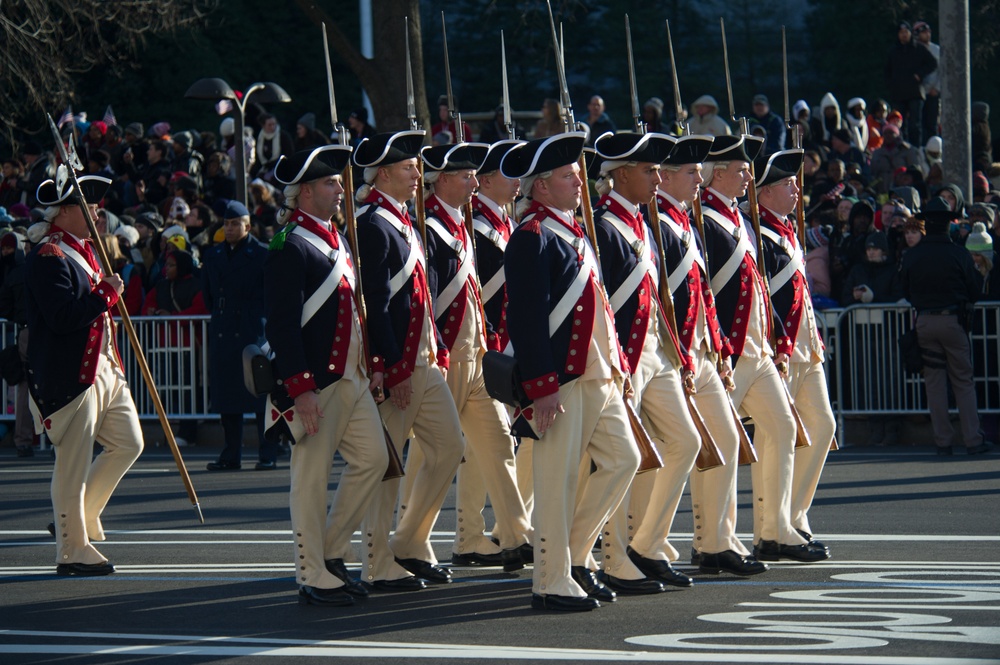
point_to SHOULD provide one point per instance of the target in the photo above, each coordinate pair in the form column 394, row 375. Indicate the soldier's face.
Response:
column 682, row 184
column 782, row 195
column 562, row 189
column 638, row 183
column 400, row 180
column 326, row 195
column 733, row 180
column 501, row 189
column 462, row 184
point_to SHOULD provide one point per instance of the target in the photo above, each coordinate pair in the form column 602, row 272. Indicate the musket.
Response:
column 395, row 466
column 709, row 456
column 127, row 323
column 800, row 217
column 411, row 114
column 508, row 121
column 649, row 457
column 801, row 436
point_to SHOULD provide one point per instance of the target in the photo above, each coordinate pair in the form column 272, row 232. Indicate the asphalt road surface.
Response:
column 914, row 580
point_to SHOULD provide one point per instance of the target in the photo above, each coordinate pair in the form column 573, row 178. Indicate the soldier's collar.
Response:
column 392, row 203
column 628, row 205
column 680, row 205
column 490, row 204
column 728, row 202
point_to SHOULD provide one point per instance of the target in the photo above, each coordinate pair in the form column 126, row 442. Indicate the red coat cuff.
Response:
column 784, row 345
column 396, row 374
column 300, row 383
column 107, row 293
column 493, row 342
column 727, row 348
column 443, row 358
column 377, row 364
column 544, row 385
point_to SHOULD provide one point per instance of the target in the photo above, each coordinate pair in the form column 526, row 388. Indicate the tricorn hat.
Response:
column 52, row 194
column 389, row 148
column 728, row 148
column 634, row 147
column 496, row 153
column 308, row 165
column 690, row 150
column 455, row 156
column 543, row 155
column 782, row 164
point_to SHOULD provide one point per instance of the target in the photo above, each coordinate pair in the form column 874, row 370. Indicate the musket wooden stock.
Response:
column 748, row 454
column 709, row 456
column 395, row 467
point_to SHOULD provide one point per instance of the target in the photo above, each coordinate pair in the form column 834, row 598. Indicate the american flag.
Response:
column 109, row 117
column 223, row 106
column 67, row 116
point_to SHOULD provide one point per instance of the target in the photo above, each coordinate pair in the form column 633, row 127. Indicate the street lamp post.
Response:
column 215, row 89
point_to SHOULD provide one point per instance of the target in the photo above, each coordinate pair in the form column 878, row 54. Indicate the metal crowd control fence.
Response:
column 176, row 350
column 864, row 367
column 866, row 372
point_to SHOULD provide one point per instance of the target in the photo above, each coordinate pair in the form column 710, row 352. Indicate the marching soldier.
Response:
column 799, row 349
column 573, row 373
column 742, row 306
column 323, row 402
column 409, row 361
column 449, row 174
column 713, row 491
column 78, row 389
column 629, row 263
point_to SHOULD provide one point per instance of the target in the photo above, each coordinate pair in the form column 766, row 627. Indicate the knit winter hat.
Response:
column 979, row 240
column 818, row 236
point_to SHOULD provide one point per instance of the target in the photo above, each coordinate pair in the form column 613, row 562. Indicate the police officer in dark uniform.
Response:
column 940, row 280
column 232, row 279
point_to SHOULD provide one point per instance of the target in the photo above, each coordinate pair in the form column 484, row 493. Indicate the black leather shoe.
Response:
column 695, row 557
column 658, row 570
column 84, row 569
column 983, row 447
column 943, row 451
column 310, row 595
column 351, row 585
column 517, row 558
column 812, row 542
column 588, row 581
column 26, row 451
column 51, row 528
column 730, row 562
column 224, row 466
column 640, row 587
column 426, row 570
column 266, row 466
column 563, row 603
column 770, row 550
column 401, row 585
column 476, row 559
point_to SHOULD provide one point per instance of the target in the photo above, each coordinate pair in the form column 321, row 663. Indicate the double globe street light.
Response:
column 215, row 89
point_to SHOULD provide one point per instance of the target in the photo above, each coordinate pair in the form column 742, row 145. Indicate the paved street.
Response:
column 914, row 580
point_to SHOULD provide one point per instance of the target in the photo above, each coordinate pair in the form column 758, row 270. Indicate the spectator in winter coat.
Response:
column 857, row 124
column 982, row 148
column 905, row 70
column 894, row 153
column 705, row 117
column 874, row 279
column 828, row 120
column 772, row 123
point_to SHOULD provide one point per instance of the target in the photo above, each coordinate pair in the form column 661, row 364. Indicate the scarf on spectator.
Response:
column 269, row 146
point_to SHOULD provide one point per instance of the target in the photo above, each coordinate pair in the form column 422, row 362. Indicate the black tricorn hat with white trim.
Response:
column 94, row 188
column 634, row 147
column 309, row 165
column 389, row 148
column 729, row 148
column 769, row 169
column 543, row 155
column 496, row 153
column 691, row 149
column 753, row 146
column 454, row 156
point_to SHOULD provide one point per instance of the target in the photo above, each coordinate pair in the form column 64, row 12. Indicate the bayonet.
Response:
column 784, row 76
column 411, row 107
column 678, row 106
column 452, row 109
column 561, row 70
column 640, row 126
column 337, row 127
column 508, row 122
column 729, row 82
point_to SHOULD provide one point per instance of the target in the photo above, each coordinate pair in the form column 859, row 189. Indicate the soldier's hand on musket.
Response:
column 307, row 407
column 546, row 409
column 375, row 386
column 400, row 394
column 444, row 371
column 688, row 379
column 726, row 374
column 115, row 282
column 781, row 362
column 627, row 388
